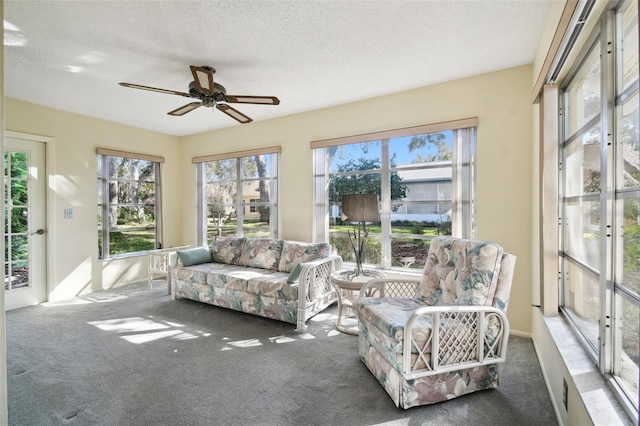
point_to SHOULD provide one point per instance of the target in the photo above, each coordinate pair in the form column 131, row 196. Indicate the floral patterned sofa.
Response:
column 278, row 279
column 465, row 290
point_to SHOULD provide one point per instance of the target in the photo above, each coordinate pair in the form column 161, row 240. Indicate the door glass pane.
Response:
column 16, row 257
column 582, row 296
column 18, row 194
column 19, row 220
column 19, row 165
column 582, row 98
column 582, row 232
column 19, row 247
column 20, row 275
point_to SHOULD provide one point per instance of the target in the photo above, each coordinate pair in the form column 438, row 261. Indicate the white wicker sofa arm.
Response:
column 389, row 287
column 315, row 290
column 465, row 337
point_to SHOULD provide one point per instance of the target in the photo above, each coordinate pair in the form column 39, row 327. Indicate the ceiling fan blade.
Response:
column 234, row 113
column 261, row 100
column 185, row 109
column 155, row 89
column 203, row 76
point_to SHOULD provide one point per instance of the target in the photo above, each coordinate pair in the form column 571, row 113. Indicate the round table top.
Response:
column 345, row 279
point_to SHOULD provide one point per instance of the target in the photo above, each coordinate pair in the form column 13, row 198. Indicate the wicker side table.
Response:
column 347, row 288
column 159, row 264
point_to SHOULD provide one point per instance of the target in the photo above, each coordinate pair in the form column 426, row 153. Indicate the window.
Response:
column 600, row 192
column 238, row 195
column 128, row 203
column 423, row 178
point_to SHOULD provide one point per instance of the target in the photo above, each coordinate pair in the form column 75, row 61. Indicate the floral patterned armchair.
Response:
column 465, row 291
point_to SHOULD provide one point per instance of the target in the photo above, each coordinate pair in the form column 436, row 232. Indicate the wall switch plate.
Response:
column 68, row 213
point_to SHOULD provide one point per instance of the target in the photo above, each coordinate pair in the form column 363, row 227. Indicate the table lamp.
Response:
column 360, row 208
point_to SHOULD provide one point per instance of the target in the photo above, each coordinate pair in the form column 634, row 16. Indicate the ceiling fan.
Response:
column 211, row 95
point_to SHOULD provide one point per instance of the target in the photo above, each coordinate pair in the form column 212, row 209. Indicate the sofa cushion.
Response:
column 227, row 250
column 194, row 256
column 261, row 253
column 460, row 272
column 273, row 285
column 238, row 278
column 294, row 252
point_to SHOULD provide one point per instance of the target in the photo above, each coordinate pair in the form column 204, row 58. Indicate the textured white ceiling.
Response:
column 70, row 55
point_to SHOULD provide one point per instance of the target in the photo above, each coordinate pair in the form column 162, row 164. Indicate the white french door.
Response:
column 25, row 219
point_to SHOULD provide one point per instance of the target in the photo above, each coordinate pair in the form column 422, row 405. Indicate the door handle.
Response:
column 39, row 232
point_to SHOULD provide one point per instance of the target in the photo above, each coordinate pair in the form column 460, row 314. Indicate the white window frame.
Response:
column 238, row 156
column 463, row 180
column 103, row 156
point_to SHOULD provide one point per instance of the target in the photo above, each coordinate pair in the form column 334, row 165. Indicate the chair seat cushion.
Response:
column 389, row 314
column 382, row 323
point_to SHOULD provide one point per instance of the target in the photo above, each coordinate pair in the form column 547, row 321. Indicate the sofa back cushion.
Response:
column 261, row 253
column 294, row 252
column 194, row 256
column 227, row 250
column 460, row 272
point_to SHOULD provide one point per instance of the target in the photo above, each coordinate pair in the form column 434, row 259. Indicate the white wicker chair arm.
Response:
column 315, row 285
column 466, row 337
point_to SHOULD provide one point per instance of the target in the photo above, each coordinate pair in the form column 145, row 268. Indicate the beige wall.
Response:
column 500, row 100
column 74, row 267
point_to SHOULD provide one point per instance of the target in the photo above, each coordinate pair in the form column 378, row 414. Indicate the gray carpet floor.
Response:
column 135, row 357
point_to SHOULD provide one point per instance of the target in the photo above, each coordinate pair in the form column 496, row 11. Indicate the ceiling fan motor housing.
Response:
column 208, row 99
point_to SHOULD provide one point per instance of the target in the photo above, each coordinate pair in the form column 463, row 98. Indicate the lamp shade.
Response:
column 360, row 208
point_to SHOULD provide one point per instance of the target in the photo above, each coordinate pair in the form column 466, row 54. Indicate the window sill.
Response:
column 395, row 272
column 597, row 397
column 124, row 256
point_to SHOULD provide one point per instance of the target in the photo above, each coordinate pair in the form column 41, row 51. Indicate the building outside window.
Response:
column 423, row 178
column 128, row 203
column 600, row 192
column 237, row 195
